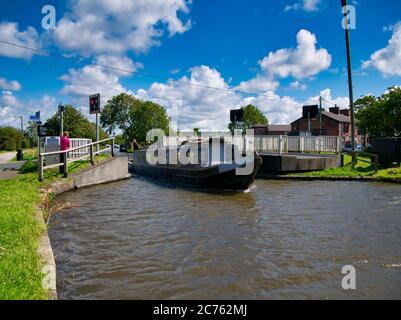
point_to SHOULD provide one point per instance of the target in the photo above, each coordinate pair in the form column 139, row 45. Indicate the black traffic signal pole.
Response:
column 350, row 85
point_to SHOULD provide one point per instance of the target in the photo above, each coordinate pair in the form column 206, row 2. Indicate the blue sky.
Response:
column 277, row 54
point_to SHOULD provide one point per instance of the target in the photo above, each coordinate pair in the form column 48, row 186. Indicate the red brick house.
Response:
column 335, row 122
column 271, row 130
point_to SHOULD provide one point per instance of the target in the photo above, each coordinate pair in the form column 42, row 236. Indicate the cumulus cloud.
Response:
column 302, row 62
column 80, row 83
column 8, row 99
column 91, row 79
column 192, row 106
column 326, row 94
column 279, row 110
column 298, row 85
column 304, row 5
column 388, row 59
column 10, row 32
column 258, row 84
column 12, row 106
column 9, row 85
column 119, row 26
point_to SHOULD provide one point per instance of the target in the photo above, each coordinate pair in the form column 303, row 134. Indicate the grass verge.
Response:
column 20, row 265
column 362, row 169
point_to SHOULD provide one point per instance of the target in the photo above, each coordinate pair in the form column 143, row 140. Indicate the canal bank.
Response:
column 27, row 267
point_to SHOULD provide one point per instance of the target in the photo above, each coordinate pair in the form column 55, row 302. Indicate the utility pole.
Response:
column 61, row 112
column 320, row 115
column 350, row 86
column 20, row 155
column 97, row 131
column 22, row 126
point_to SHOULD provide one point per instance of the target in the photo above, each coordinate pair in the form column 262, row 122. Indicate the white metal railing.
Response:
column 79, row 153
column 297, row 144
column 93, row 145
column 277, row 144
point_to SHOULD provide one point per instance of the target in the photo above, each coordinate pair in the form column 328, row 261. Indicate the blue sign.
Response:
column 36, row 117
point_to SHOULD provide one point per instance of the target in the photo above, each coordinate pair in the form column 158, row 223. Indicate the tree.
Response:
column 76, row 124
column 380, row 117
column 10, row 139
column 134, row 117
column 252, row 116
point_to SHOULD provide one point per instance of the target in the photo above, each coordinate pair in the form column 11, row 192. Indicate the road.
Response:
column 7, row 157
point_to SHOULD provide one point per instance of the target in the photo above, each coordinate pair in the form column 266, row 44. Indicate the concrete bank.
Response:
column 286, row 163
column 112, row 170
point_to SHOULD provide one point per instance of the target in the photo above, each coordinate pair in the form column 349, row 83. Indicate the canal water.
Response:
column 280, row 240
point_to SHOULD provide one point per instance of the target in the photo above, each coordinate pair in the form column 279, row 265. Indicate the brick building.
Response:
column 271, row 130
column 335, row 122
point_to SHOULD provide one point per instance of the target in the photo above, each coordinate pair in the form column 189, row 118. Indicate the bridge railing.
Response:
column 277, row 144
column 67, row 159
column 78, row 154
column 297, row 144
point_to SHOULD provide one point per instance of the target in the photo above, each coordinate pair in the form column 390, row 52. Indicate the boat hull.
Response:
column 221, row 177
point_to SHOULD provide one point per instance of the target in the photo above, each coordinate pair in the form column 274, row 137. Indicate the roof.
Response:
column 337, row 117
column 259, row 125
column 334, row 116
column 280, row 127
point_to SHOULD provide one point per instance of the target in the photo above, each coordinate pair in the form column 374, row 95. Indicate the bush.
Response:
column 29, row 167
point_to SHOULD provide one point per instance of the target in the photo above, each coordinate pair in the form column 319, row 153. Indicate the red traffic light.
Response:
column 94, row 104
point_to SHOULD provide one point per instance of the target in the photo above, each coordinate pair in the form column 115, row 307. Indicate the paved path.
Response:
column 7, row 157
column 5, row 175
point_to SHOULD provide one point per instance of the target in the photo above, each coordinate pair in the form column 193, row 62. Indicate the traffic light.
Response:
column 94, row 104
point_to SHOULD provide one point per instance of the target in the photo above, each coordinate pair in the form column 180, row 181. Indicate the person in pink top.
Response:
column 65, row 141
column 64, row 145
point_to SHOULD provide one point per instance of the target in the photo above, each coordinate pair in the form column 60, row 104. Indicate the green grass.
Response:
column 20, row 265
column 363, row 168
column 29, row 155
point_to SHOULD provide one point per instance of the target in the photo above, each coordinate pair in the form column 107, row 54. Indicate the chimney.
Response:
column 335, row 110
column 345, row 112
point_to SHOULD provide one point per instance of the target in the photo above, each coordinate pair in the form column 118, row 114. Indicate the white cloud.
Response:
column 258, row 84
column 388, row 59
column 279, row 110
column 91, row 79
column 10, row 33
column 204, row 108
column 9, row 85
column 302, row 62
column 305, row 61
column 326, row 94
column 12, row 106
column 298, row 85
column 119, row 26
column 193, row 106
column 8, row 100
column 80, row 83
column 122, row 66
column 304, row 5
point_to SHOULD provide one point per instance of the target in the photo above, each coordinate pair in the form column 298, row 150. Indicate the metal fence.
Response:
column 67, row 159
column 276, row 144
column 297, row 144
column 79, row 153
